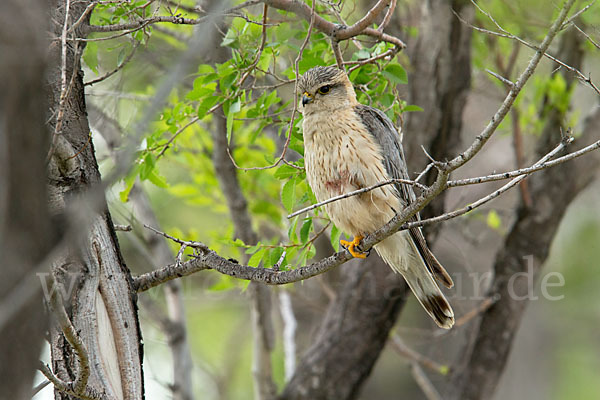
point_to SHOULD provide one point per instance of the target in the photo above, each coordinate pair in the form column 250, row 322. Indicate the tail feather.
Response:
column 402, row 254
column 434, row 266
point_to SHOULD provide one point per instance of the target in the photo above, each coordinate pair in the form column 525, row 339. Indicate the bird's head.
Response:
column 325, row 89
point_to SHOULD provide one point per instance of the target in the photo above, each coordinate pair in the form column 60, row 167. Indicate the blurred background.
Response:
column 556, row 350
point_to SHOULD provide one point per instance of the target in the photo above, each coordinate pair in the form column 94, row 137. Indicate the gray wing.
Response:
column 386, row 135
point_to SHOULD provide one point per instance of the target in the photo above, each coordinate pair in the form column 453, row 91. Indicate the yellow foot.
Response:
column 351, row 245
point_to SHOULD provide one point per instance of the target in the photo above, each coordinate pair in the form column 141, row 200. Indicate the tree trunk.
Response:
column 95, row 281
column 25, row 227
column 527, row 245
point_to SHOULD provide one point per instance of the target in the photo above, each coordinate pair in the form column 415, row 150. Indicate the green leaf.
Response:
column 206, row 105
column 121, row 57
column 292, row 229
column 254, row 261
column 90, row 56
column 224, row 283
column 493, row 220
column 147, row 166
column 335, row 237
column 288, row 194
column 411, row 108
column 157, row 179
column 285, row 171
column 254, row 249
column 395, row 73
column 274, row 256
column 238, row 243
column 305, row 230
column 234, row 108
column 124, row 194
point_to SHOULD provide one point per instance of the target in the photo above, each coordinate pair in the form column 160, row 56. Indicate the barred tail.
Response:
column 400, row 252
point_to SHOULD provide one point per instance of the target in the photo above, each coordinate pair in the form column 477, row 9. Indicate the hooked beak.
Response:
column 306, row 98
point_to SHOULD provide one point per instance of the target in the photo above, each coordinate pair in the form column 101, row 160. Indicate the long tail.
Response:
column 403, row 255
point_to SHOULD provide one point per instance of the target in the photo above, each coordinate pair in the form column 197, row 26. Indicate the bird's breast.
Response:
column 326, row 171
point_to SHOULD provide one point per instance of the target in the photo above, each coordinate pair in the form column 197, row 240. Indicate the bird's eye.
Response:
column 324, row 89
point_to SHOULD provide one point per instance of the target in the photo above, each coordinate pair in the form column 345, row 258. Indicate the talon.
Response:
column 350, row 246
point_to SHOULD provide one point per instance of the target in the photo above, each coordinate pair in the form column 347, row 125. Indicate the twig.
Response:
column 424, row 172
column 190, row 243
column 424, row 383
column 87, row 143
column 493, row 195
column 525, row 171
column 577, row 14
column 117, row 69
column 502, row 79
column 588, row 37
column 339, row 58
column 63, row 81
column 356, row 192
column 327, row 27
column 170, row 141
column 84, row 15
column 482, row 138
column 294, row 110
column 362, row 24
column 504, row 33
column 478, row 310
column 210, row 260
column 388, row 16
column 260, row 49
column 405, row 351
column 123, row 228
column 39, row 387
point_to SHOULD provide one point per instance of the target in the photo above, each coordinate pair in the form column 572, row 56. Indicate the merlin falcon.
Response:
column 349, row 146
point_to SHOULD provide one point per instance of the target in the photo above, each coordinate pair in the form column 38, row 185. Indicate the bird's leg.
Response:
column 350, row 246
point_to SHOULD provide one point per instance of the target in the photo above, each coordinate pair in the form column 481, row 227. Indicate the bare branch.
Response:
column 388, row 16
column 207, row 259
column 363, row 23
column 587, row 37
column 405, row 351
column 577, row 14
column 117, row 69
column 281, row 158
column 504, row 33
column 493, row 195
column 260, row 49
column 329, row 28
column 356, row 192
column 424, row 383
column 525, row 171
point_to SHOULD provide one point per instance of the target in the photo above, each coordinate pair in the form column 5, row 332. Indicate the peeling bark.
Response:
column 102, row 304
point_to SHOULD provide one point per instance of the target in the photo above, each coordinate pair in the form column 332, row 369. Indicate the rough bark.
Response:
column 526, row 245
column 352, row 334
column 439, row 82
column 102, row 302
column 25, row 228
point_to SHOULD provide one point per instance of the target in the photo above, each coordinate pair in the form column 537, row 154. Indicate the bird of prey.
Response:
column 349, row 146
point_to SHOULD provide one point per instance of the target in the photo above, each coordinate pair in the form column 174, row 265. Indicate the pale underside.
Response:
column 341, row 157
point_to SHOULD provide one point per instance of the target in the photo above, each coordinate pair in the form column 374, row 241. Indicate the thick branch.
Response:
column 333, row 30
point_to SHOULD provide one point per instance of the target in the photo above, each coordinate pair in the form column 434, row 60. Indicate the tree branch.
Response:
column 333, row 30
